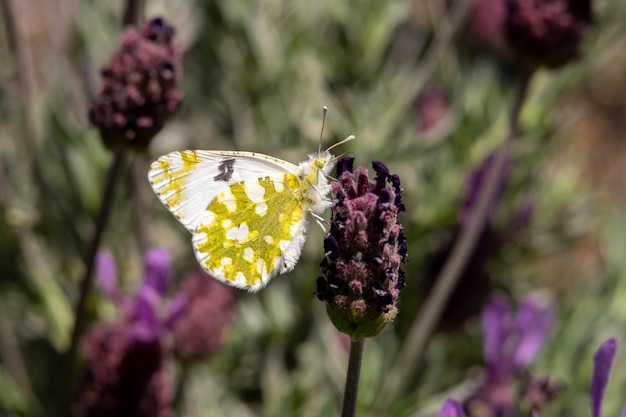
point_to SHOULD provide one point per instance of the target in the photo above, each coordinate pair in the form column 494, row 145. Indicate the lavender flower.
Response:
column 364, row 250
column 470, row 293
column 139, row 87
column 532, row 32
column 602, row 364
column 127, row 360
column 511, row 343
column 199, row 330
column 451, row 408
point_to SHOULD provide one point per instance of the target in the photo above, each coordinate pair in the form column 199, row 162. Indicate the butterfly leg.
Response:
column 320, row 220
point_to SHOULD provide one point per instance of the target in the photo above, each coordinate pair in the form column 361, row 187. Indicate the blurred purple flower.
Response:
column 139, row 87
column 126, row 359
column 365, row 248
column 199, row 330
column 451, row 408
column 602, row 364
column 531, row 33
column 431, row 107
column 469, row 295
column 148, row 307
column 512, row 341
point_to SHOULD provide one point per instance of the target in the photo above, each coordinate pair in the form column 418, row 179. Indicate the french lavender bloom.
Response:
column 511, row 343
column 365, row 248
column 532, row 33
column 139, row 87
column 127, row 360
column 602, row 364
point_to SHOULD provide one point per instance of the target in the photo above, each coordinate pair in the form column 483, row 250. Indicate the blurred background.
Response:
column 428, row 88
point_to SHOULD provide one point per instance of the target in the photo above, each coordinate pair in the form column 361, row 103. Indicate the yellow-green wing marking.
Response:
column 248, row 229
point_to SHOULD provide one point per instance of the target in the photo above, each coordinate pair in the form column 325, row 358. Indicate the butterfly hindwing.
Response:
column 252, row 230
column 188, row 181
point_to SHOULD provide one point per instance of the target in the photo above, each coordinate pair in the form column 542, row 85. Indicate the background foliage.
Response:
column 256, row 75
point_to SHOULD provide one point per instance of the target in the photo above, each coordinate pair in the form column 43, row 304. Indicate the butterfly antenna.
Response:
column 348, row 139
column 324, row 111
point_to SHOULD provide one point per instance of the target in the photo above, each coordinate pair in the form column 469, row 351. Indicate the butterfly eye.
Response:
column 319, row 163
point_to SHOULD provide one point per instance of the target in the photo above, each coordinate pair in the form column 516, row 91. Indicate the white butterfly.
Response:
column 247, row 212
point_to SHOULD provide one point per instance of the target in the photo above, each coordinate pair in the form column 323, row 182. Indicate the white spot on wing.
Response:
column 260, row 266
column 268, row 239
column 240, row 234
column 261, row 209
column 248, row 254
column 283, row 245
column 254, row 191
column 240, row 279
column 278, row 186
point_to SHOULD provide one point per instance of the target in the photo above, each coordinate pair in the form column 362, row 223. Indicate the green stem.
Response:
column 80, row 316
column 352, row 378
column 429, row 315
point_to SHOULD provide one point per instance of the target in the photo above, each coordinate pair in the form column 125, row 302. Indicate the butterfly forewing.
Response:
column 244, row 233
column 188, row 181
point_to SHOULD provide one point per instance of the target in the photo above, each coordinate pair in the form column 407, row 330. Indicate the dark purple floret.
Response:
column 363, row 250
column 139, row 87
column 345, row 164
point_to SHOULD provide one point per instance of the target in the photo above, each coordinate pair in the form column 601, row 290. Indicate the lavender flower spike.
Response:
column 602, row 363
column 364, row 250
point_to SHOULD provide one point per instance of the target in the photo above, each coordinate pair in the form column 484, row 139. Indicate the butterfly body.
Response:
column 247, row 212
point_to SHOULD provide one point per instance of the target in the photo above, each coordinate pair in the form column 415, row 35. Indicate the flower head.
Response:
column 139, row 87
column 532, row 32
column 199, row 330
column 364, row 250
column 511, row 343
column 126, row 358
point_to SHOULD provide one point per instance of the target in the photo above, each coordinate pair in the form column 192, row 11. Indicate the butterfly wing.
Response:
column 252, row 231
column 187, row 182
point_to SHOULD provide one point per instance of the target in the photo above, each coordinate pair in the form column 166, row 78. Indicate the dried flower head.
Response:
column 199, row 330
column 139, row 87
column 363, row 251
column 532, row 33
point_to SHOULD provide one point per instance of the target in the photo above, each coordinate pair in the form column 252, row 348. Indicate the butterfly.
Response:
column 247, row 212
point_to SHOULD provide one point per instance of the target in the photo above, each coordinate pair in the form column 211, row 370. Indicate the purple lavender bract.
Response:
column 364, row 250
column 139, row 87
